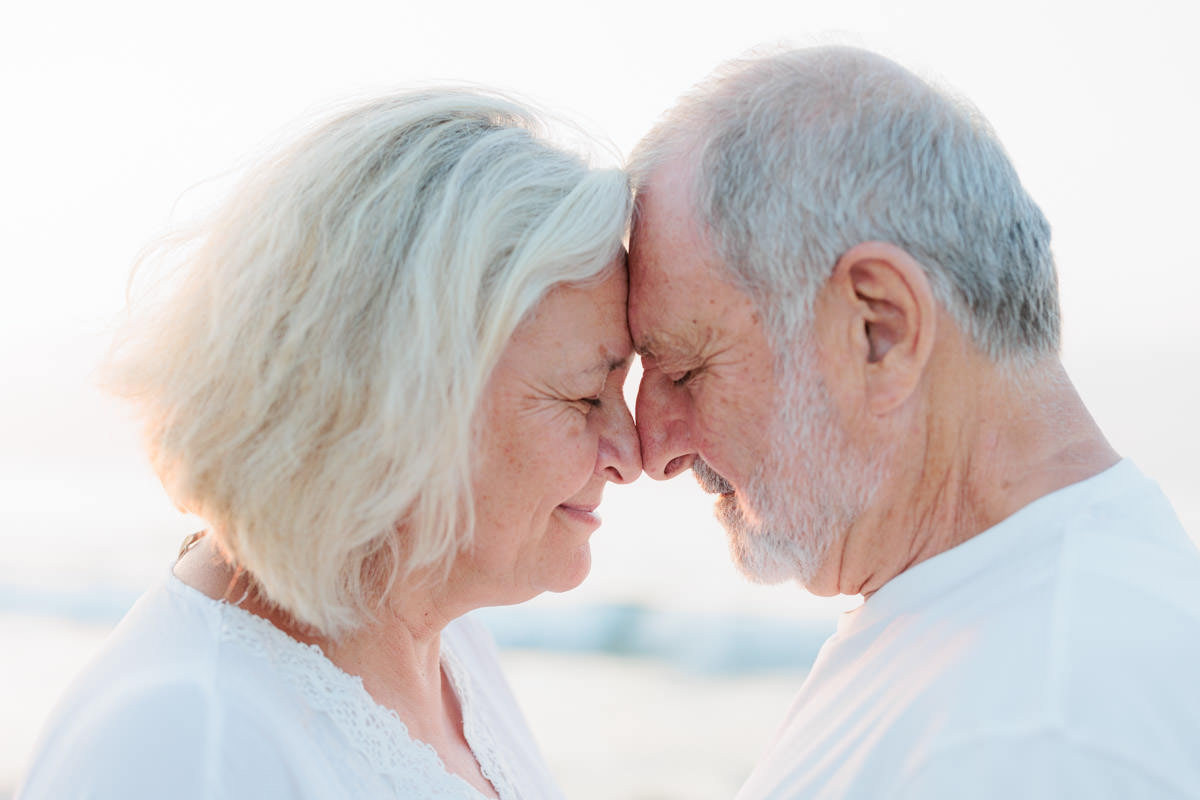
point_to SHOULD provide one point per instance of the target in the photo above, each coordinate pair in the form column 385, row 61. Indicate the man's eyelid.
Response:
column 677, row 368
column 684, row 378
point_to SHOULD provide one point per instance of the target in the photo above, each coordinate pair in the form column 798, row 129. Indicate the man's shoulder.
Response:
column 1070, row 636
column 1046, row 762
column 1109, row 572
column 1126, row 593
column 1092, row 662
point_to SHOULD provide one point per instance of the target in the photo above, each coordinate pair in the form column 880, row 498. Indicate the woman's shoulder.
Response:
column 171, row 738
column 173, row 639
column 160, row 712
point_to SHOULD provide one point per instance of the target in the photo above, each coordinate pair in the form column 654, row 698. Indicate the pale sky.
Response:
column 114, row 109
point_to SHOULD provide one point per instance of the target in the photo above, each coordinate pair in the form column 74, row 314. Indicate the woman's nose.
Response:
column 663, row 425
column 620, row 457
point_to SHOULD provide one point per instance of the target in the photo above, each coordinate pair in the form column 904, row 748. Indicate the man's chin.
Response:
column 759, row 565
column 763, row 555
column 727, row 511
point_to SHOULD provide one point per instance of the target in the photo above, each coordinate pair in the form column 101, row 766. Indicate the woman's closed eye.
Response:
column 587, row 402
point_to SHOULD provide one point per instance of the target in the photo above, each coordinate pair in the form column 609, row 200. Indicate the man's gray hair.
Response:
column 801, row 155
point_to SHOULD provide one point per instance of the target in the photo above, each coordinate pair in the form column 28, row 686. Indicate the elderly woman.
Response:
column 388, row 375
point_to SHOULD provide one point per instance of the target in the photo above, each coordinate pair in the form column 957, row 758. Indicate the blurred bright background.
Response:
column 665, row 673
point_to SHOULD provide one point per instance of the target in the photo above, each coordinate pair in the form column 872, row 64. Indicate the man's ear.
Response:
column 880, row 310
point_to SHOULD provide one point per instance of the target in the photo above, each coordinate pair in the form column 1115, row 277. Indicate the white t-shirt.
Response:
column 1055, row 655
column 195, row 699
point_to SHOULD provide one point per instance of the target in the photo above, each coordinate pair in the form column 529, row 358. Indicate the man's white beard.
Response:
column 806, row 492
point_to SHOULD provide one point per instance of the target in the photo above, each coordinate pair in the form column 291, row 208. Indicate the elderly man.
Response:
column 848, row 316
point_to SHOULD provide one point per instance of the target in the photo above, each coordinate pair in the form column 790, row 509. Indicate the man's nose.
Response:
column 664, row 425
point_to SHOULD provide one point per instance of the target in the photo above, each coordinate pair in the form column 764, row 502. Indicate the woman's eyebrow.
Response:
column 608, row 364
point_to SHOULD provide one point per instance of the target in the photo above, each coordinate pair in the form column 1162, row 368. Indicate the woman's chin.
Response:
column 570, row 571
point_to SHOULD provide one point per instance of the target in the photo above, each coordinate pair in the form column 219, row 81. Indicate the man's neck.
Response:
column 969, row 461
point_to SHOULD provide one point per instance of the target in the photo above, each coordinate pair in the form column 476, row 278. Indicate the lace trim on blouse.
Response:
column 479, row 735
column 410, row 766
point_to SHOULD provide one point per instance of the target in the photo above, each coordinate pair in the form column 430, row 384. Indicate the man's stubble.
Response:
column 807, row 490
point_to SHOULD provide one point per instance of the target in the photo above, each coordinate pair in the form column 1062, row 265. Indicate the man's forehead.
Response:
column 673, row 270
column 666, row 241
column 649, row 306
column 667, row 300
column 664, row 202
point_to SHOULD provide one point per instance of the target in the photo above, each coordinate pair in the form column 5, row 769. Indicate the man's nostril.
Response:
column 674, row 466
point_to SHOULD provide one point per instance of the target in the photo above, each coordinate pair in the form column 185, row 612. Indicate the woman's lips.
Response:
column 584, row 514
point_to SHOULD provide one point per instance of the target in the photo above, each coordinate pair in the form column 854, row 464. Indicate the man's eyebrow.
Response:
column 662, row 345
column 646, row 348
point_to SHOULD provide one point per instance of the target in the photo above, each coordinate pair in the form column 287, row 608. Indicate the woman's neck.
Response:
column 397, row 655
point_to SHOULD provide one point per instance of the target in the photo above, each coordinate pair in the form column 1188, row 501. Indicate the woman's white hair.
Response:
column 802, row 154
column 309, row 378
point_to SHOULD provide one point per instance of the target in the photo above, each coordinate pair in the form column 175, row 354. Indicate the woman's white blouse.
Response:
column 195, row 699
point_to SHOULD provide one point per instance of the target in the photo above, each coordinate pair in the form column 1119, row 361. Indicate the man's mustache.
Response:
column 708, row 478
